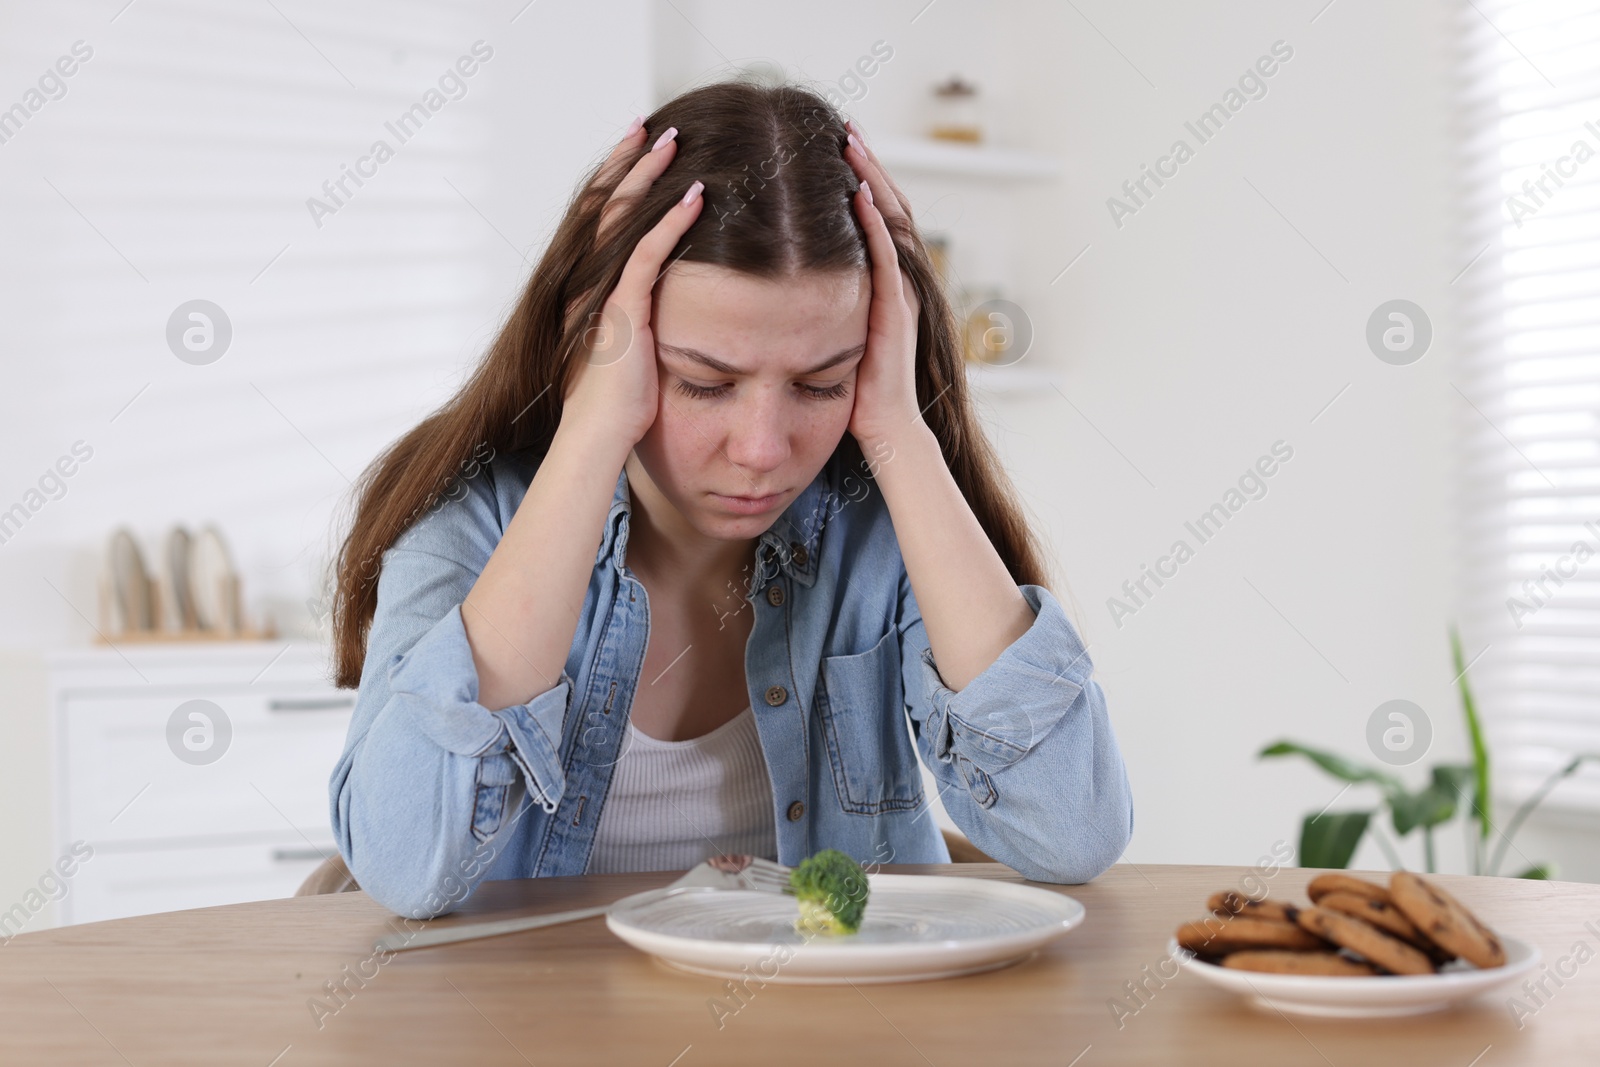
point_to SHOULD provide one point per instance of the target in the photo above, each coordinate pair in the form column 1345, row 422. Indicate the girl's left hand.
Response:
column 886, row 384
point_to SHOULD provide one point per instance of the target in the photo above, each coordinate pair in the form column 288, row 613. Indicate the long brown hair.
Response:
column 777, row 192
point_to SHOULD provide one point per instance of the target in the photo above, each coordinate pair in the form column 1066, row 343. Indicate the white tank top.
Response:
column 672, row 804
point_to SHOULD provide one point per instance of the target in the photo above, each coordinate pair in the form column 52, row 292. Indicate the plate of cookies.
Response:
column 1359, row 949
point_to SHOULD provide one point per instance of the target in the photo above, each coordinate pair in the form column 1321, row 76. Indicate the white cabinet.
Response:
column 137, row 881
column 197, row 773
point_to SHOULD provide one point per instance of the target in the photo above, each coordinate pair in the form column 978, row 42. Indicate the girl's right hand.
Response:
column 615, row 388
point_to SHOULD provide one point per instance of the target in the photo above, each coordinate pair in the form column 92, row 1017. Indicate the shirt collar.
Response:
column 789, row 546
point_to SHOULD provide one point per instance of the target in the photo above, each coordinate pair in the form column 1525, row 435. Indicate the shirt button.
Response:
column 796, row 810
column 798, row 552
column 777, row 695
column 775, row 595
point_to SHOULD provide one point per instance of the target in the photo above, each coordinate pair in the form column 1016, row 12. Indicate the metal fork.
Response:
column 721, row 872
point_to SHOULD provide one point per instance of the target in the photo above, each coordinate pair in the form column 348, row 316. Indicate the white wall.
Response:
column 191, row 143
column 1204, row 330
column 1222, row 317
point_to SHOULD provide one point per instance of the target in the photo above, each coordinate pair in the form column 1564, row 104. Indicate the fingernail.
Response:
column 672, row 131
column 865, row 188
column 633, row 127
column 694, row 190
column 855, row 142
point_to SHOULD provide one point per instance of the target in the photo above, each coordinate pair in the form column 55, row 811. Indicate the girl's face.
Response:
column 757, row 386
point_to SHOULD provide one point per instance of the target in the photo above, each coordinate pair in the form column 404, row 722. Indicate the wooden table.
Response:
column 238, row 985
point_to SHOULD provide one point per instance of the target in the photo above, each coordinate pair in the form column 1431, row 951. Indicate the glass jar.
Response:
column 956, row 112
column 988, row 334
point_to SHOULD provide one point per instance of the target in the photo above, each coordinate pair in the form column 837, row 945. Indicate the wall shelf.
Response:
column 951, row 158
column 1012, row 381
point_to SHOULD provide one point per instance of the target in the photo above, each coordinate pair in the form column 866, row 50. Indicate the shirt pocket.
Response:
column 862, row 709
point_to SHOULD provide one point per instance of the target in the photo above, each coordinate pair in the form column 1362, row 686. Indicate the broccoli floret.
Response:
column 832, row 891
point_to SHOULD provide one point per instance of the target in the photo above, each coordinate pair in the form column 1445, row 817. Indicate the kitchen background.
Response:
column 1177, row 330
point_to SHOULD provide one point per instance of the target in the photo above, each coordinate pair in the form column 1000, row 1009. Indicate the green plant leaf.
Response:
column 1433, row 805
column 1527, row 807
column 1454, row 777
column 1338, row 766
column 1426, row 808
column 1480, row 750
column 1330, row 839
column 1540, row 873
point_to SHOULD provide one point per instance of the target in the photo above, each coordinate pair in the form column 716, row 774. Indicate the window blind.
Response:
column 1528, row 103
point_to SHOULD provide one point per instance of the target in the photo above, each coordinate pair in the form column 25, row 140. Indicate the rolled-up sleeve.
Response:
column 435, row 687
column 429, row 776
column 1027, row 763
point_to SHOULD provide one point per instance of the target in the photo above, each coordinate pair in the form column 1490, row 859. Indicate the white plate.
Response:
column 1365, row 998
column 130, row 580
column 915, row 927
column 180, row 603
column 210, row 568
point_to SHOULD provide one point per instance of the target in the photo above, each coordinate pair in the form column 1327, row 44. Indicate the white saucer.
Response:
column 1365, row 998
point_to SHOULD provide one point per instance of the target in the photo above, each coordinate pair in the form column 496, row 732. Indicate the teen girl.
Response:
column 708, row 551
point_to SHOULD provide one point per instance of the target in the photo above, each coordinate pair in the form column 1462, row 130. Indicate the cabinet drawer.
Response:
column 123, row 781
column 114, row 884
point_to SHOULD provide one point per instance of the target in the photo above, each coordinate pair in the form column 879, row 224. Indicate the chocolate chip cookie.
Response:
column 1323, row 884
column 1277, row 961
column 1235, row 903
column 1364, row 939
column 1380, row 913
column 1445, row 921
column 1217, row 937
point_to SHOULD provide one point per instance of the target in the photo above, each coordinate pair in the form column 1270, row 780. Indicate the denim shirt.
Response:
column 436, row 792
